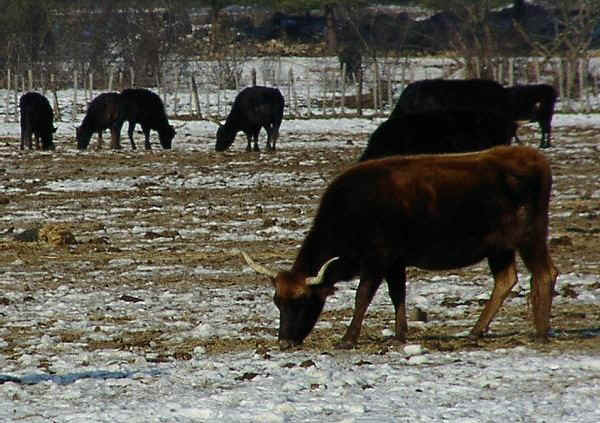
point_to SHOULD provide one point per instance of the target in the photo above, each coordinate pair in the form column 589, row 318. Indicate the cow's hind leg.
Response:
column 369, row 282
column 543, row 279
column 146, row 132
column 272, row 136
column 101, row 141
column 504, row 270
column 396, row 281
column 255, row 138
column 249, row 138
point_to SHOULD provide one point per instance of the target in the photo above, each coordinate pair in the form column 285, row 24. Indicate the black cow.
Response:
column 102, row 113
column 535, row 103
column 453, row 94
column 430, row 211
column 452, row 131
column 37, row 119
column 139, row 105
column 253, row 108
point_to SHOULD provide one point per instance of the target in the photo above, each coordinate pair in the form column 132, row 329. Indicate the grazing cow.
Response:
column 102, row 113
column 452, row 131
column 534, row 103
column 430, row 211
column 253, row 108
column 142, row 106
column 452, row 94
column 37, row 119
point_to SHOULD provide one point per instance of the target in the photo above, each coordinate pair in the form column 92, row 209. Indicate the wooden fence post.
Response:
column 195, row 97
column 253, row 75
column 91, row 87
column 110, row 79
column 289, row 90
column 343, row 100
column 30, row 80
column 389, row 88
column 57, row 114
column 359, row 92
column 16, row 98
column 74, row 108
column 176, row 95
column 132, row 76
column 511, row 71
column 7, row 98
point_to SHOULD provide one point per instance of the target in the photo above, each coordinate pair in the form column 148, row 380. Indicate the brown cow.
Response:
column 430, row 211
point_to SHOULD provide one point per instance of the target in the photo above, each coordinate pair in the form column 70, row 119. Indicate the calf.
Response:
column 536, row 104
column 102, row 113
column 253, row 108
column 142, row 106
column 37, row 119
column 452, row 131
column 430, row 211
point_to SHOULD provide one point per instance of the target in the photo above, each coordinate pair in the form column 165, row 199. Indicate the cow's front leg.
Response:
column 249, row 146
column 364, row 295
column 396, row 281
column 146, row 132
column 504, row 269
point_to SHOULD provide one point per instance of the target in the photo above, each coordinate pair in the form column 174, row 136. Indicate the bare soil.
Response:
column 161, row 206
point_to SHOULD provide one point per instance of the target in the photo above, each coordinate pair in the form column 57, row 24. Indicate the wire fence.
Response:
column 312, row 87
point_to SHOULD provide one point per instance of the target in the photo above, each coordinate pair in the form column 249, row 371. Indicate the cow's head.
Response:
column 83, row 137
column 225, row 138
column 300, row 300
column 166, row 137
column 47, row 139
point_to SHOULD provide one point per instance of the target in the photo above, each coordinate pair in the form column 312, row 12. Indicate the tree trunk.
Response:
column 331, row 39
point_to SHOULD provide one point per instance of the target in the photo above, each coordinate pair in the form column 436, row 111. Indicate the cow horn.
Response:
column 255, row 266
column 317, row 280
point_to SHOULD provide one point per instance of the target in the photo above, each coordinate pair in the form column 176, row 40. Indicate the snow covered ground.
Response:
column 57, row 381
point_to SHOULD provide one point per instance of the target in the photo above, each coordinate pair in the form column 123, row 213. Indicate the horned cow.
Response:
column 253, row 108
column 429, row 211
column 37, row 119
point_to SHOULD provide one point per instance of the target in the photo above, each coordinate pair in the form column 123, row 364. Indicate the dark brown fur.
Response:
column 432, row 212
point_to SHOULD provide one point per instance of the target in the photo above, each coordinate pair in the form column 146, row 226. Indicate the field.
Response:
column 124, row 262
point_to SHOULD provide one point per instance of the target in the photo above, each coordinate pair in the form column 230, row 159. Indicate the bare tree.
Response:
column 574, row 24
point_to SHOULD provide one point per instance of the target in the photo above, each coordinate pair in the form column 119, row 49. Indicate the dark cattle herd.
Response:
column 536, row 104
column 134, row 105
column 438, row 131
column 437, row 187
column 37, row 119
column 253, row 108
column 102, row 113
